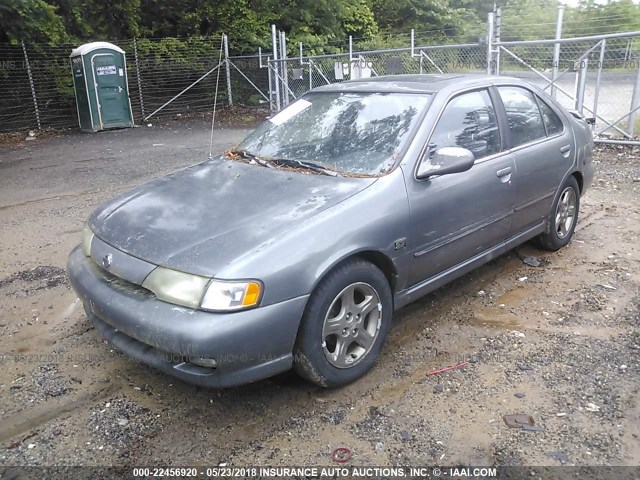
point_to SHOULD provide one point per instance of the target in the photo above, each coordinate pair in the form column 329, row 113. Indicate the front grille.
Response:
column 120, row 284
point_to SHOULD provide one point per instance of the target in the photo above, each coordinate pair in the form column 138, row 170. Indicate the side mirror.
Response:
column 446, row 160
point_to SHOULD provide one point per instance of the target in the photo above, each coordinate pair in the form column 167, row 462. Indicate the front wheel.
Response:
column 563, row 216
column 344, row 325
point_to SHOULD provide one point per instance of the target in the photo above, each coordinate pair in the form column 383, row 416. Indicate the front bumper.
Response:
column 247, row 346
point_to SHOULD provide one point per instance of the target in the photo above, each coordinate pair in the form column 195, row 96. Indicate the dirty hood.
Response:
column 201, row 218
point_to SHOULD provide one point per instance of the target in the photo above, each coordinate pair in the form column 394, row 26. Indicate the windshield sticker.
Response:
column 290, row 112
column 106, row 70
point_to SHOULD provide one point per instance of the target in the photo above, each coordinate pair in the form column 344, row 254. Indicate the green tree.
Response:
column 113, row 18
column 31, row 21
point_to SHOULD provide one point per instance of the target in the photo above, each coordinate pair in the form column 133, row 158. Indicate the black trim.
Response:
column 501, row 113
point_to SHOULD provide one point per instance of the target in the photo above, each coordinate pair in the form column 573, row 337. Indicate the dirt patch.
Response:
column 30, row 281
column 557, row 339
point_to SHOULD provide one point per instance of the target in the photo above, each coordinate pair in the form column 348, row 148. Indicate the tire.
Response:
column 332, row 347
column 563, row 217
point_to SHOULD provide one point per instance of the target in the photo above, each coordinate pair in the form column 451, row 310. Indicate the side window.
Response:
column 468, row 121
column 523, row 115
column 551, row 119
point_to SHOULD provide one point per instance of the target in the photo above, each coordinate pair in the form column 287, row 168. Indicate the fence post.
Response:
column 635, row 102
column 137, row 63
column 350, row 56
column 556, row 50
column 33, row 88
column 276, row 80
column 489, row 43
column 284, row 69
column 228, row 70
column 581, row 83
column 498, row 31
column 596, row 93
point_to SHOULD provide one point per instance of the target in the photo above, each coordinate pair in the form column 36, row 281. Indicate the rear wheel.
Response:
column 344, row 325
column 563, row 216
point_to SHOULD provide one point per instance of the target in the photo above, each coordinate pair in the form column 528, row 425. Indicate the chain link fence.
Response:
column 36, row 88
column 296, row 76
column 36, row 84
column 597, row 76
column 178, row 76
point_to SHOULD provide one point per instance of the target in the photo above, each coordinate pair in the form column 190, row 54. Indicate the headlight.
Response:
column 87, row 238
column 225, row 295
column 176, row 287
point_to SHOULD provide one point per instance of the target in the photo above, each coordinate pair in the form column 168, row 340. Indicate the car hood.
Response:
column 200, row 219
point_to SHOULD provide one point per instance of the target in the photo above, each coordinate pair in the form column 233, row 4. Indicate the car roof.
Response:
column 431, row 83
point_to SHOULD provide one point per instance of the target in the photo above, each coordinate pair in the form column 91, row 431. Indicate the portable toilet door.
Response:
column 100, row 82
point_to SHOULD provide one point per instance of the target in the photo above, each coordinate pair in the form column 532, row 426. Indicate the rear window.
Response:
column 523, row 115
column 551, row 120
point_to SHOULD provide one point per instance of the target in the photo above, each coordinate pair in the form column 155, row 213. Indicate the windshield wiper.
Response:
column 246, row 154
column 285, row 162
column 282, row 162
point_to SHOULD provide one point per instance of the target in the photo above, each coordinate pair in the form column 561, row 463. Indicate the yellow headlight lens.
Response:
column 251, row 294
column 87, row 238
column 176, row 287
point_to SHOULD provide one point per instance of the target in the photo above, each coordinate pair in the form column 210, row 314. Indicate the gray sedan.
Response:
column 294, row 248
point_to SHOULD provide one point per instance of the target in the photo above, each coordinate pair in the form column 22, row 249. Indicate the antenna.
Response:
column 215, row 97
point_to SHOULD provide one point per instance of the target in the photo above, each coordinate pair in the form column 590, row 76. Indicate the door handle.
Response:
column 565, row 148
column 503, row 172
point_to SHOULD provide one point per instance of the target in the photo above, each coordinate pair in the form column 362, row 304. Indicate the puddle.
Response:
column 496, row 317
column 516, row 296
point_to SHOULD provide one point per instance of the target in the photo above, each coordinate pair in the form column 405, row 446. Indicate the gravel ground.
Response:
column 559, row 341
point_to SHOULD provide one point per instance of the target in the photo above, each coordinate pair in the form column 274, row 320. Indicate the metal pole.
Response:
column 276, row 80
column 635, row 103
column 413, row 43
column 617, row 142
column 350, row 55
column 498, row 30
column 556, row 49
column 228, row 70
column 627, row 52
column 309, row 64
column 33, row 88
column 137, row 65
column 284, row 69
column 283, row 92
column 553, row 41
column 272, row 106
column 596, row 93
column 489, row 42
column 581, row 83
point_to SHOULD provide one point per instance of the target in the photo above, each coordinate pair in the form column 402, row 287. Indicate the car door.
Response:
column 543, row 151
column 457, row 216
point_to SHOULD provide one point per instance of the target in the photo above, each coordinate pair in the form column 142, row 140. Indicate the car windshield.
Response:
column 343, row 133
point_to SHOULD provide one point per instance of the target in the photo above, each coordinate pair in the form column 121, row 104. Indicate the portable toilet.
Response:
column 100, row 84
